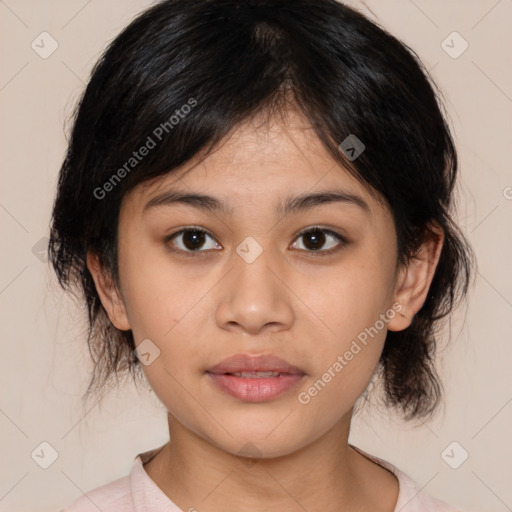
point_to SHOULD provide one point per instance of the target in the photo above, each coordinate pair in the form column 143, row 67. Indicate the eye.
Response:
column 317, row 237
column 191, row 240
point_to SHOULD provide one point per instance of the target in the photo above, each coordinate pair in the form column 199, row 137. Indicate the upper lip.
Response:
column 259, row 363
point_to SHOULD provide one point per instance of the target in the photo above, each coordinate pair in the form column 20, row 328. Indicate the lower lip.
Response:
column 255, row 389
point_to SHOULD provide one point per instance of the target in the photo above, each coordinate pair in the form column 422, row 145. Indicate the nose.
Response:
column 255, row 296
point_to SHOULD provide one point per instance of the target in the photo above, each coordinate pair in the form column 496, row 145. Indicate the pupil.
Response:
column 317, row 237
column 197, row 238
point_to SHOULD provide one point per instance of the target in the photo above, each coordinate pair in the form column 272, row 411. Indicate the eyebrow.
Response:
column 291, row 204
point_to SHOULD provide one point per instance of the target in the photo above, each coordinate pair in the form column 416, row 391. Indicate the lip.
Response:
column 251, row 363
column 254, row 389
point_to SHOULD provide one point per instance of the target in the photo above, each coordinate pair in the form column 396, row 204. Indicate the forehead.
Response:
column 263, row 159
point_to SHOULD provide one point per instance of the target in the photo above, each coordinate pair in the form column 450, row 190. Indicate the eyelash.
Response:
column 302, row 233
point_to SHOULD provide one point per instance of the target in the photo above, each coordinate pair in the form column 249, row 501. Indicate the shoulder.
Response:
column 414, row 499
column 411, row 498
column 112, row 497
column 126, row 494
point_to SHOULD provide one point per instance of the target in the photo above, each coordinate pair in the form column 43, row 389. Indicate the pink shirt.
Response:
column 138, row 493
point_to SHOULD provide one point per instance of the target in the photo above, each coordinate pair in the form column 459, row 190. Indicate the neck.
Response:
column 198, row 475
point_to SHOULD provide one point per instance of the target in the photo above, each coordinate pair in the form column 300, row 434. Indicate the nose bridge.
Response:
column 252, row 271
column 254, row 295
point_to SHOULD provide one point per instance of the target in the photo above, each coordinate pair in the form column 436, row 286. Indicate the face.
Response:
column 255, row 271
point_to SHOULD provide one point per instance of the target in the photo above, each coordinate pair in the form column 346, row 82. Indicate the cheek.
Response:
column 344, row 302
column 173, row 386
column 347, row 348
column 158, row 294
column 348, row 328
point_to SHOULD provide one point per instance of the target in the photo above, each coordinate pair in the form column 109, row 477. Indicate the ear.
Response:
column 415, row 279
column 108, row 293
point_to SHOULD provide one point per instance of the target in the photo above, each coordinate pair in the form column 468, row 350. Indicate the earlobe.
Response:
column 108, row 293
column 415, row 279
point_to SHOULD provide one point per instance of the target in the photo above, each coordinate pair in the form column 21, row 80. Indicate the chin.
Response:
column 258, row 440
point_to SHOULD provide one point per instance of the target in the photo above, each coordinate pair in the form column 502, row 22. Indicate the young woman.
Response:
column 256, row 205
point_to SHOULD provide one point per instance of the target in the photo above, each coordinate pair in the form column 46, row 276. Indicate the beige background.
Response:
column 44, row 360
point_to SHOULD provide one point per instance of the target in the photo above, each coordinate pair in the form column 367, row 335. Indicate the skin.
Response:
column 293, row 302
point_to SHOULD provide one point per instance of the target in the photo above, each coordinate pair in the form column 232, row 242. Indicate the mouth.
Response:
column 256, row 375
column 255, row 365
column 254, row 378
